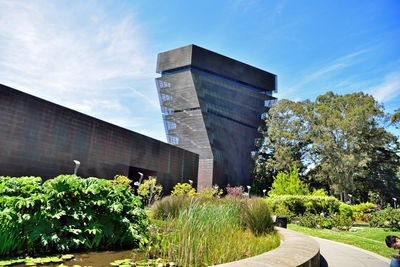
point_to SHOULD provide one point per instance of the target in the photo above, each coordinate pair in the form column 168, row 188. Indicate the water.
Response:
column 96, row 259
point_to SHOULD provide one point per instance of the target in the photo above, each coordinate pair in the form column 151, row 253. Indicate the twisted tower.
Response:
column 213, row 105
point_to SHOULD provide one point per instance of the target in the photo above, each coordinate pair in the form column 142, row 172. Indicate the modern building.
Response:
column 40, row 138
column 212, row 105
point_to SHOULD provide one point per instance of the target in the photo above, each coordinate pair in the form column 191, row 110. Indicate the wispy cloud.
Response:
column 85, row 60
column 388, row 89
column 337, row 64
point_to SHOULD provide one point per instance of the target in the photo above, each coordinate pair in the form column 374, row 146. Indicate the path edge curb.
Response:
column 295, row 249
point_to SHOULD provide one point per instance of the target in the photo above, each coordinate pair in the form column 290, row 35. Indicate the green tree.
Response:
column 288, row 183
column 395, row 119
column 340, row 127
column 339, row 135
column 285, row 140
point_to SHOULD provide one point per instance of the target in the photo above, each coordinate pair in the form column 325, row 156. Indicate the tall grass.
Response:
column 212, row 232
column 11, row 239
column 258, row 217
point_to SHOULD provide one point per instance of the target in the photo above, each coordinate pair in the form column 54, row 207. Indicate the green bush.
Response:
column 297, row 205
column 362, row 212
column 387, row 218
column 316, row 221
column 364, row 207
column 320, row 192
column 345, row 210
column 288, row 183
column 68, row 213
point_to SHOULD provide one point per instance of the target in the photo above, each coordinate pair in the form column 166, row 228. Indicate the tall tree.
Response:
column 338, row 135
column 284, row 140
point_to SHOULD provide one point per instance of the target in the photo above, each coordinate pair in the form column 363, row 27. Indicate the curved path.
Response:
column 334, row 254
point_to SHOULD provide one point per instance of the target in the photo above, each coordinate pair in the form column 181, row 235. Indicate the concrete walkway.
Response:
column 334, row 254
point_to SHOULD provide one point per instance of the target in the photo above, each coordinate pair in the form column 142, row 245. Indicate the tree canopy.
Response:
column 337, row 143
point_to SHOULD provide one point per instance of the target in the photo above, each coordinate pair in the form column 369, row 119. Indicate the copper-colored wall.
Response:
column 41, row 138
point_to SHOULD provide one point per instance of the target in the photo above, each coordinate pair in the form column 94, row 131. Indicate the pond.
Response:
column 96, row 259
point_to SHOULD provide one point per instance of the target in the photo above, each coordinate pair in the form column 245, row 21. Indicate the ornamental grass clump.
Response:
column 210, row 232
column 257, row 217
column 169, row 207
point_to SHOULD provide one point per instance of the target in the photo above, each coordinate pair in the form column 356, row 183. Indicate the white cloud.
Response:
column 79, row 55
column 388, row 89
column 335, row 65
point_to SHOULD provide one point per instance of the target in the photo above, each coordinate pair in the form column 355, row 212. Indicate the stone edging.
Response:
column 296, row 249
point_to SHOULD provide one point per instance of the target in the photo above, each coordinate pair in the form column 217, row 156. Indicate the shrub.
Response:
column 345, row 210
column 316, row 221
column 236, row 191
column 211, row 192
column 288, row 183
column 366, row 207
column 387, row 218
column 298, row 205
column 184, row 189
column 362, row 211
column 122, row 180
column 150, row 190
column 320, row 192
column 69, row 213
column 257, row 217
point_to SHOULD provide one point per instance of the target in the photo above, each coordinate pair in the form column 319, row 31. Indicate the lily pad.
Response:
column 67, row 256
column 56, row 259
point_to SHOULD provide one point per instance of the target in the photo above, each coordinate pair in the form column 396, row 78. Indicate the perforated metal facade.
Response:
column 212, row 105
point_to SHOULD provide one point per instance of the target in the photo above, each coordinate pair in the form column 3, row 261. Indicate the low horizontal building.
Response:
column 41, row 138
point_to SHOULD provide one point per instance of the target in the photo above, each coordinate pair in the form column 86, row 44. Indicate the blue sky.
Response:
column 99, row 57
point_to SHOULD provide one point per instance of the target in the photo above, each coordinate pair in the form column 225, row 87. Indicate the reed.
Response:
column 11, row 239
column 212, row 232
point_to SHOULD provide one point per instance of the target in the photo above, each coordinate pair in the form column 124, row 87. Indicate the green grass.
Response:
column 212, row 232
column 371, row 239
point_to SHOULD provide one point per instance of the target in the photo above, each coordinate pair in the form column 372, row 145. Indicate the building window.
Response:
column 163, row 84
column 173, row 140
column 170, row 125
column 166, row 110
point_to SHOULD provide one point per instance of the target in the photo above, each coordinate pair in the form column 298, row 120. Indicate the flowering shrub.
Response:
column 184, row 189
column 362, row 212
column 150, row 190
column 122, row 180
column 212, row 192
column 387, row 218
column 236, row 191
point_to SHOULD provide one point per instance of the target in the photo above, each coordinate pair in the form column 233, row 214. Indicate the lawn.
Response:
column 371, row 239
